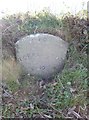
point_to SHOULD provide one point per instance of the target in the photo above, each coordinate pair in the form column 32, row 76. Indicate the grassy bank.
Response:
column 65, row 96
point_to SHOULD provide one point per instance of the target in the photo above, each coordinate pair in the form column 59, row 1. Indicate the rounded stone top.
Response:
column 41, row 54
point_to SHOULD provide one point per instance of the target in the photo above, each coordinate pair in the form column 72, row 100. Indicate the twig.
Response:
column 56, row 110
column 83, row 48
column 71, row 111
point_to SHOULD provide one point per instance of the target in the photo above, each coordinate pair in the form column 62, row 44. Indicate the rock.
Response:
column 42, row 55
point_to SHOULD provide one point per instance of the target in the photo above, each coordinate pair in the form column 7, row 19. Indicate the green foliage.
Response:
column 48, row 20
column 40, row 21
column 13, row 85
column 61, row 96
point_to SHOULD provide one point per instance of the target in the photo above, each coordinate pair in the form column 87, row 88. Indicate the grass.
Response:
column 53, row 100
column 10, row 72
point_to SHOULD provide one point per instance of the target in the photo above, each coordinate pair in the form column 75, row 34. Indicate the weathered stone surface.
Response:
column 42, row 55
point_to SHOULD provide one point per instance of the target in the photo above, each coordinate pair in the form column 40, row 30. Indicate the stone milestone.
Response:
column 42, row 55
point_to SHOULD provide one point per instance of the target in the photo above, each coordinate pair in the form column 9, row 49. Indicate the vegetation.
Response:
column 23, row 95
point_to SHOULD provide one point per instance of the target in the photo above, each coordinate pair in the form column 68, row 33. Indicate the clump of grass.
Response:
column 10, row 73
